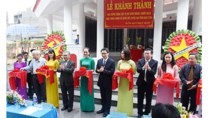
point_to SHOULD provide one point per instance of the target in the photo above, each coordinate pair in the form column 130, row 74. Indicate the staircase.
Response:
column 97, row 95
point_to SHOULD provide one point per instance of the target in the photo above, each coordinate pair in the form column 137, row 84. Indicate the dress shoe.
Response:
column 105, row 114
column 69, row 109
column 146, row 113
column 100, row 111
column 139, row 116
column 64, row 108
column 30, row 97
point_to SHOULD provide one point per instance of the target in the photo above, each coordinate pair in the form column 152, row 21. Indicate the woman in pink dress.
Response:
column 165, row 94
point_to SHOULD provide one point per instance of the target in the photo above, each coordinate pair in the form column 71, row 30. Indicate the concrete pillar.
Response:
column 100, row 27
column 81, row 25
column 182, row 14
column 49, row 20
column 68, row 22
column 125, row 36
column 197, row 17
column 158, row 29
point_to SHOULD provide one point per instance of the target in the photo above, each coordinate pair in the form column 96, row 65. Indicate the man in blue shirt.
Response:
column 190, row 75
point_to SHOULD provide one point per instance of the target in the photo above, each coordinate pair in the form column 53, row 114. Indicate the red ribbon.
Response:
column 168, row 80
column 45, row 71
column 198, row 93
column 16, row 73
column 128, row 74
column 84, row 72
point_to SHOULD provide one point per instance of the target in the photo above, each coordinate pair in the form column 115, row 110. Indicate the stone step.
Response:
column 97, row 98
column 97, row 95
column 115, row 92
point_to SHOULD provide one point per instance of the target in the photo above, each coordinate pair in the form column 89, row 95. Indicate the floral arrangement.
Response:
column 181, row 43
column 132, row 46
column 13, row 97
column 55, row 41
column 183, row 112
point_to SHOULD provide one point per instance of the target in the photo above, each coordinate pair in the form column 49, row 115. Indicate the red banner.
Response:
column 128, row 13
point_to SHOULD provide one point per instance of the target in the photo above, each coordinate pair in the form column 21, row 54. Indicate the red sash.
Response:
column 16, row 73
column 168, row 80
column 45, row 71
column 84, row 72
column 198, row 93
column 128, row 74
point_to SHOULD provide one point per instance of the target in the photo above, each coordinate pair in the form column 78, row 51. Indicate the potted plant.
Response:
column 14, row 98
column 127, row 42
column 138, row 41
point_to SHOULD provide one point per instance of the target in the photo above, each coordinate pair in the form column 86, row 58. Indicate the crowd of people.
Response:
column 148, row 70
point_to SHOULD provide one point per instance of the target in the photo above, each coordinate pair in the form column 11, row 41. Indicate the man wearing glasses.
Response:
column 66, row 68
column 105, row 67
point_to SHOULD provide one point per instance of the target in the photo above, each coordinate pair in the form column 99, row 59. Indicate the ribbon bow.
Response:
column 198, row 93
column 167, row 80
column 128, row 74
column 17, row 73
column 84, row 72
column 45, row 71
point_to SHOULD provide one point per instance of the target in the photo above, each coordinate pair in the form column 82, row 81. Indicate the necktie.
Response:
column 190, row 77
column 145, row 73
column 104, row 62
column 65, row 63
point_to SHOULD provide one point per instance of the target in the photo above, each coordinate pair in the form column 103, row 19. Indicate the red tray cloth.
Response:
column 198, row 93
column 168, row 80
column 128, row 74
column 45, row 71
column 84, row 72
column 16, row 73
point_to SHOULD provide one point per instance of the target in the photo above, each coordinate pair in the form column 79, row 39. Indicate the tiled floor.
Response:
column 76, row 113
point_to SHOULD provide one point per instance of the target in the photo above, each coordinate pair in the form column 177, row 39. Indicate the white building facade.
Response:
column 73, row 15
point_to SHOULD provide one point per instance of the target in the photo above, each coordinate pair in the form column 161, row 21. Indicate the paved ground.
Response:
column 76, row 113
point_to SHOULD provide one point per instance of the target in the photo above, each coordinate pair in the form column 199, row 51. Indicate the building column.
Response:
column 68, row 22
column 182, row 14
column 100, row 27
column 197, row 17
column 125, row 36
column 81, row 25
column 158, row 21
column 49, row 20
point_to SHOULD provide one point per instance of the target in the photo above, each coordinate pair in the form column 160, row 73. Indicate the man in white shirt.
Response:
column 38, row 61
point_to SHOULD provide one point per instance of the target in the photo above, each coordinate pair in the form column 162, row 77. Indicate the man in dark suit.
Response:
column 105, row 67
column 190, row 75
column 66, row 68
column 146, row 67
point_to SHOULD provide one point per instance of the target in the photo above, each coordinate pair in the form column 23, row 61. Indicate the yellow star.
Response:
column 179, row 48
column 56, row 49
